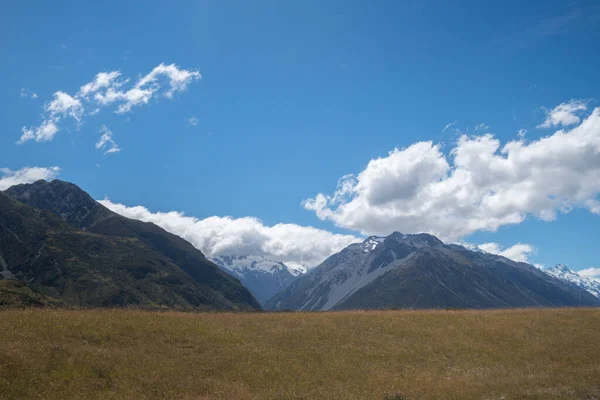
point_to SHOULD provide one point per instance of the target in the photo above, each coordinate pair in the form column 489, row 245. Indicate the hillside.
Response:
column 81, row 211
column 371, row 355
column 15, row 293
column 84, row 268
column 420, row 271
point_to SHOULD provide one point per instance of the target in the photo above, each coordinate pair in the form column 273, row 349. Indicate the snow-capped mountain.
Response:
column 263, row 277
column 420, row 271
column 565, row 274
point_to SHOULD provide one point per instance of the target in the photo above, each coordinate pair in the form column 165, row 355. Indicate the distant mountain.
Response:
column 419, row 271
column 565, row 274
column 93, row 256
column 261, row 276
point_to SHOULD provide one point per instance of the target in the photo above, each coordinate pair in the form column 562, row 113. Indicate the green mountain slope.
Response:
column 90, row 269
column 81, row 211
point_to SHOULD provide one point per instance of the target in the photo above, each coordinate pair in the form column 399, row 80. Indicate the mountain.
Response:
column 72, row 248
column 15, row 293
column 261, row 276
column 565, row 274
column 419, row 271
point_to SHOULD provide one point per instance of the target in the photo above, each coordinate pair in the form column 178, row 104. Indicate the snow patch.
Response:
column 240, row 265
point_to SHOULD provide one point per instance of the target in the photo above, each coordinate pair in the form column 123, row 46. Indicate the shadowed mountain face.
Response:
column 69, row 228
column 419, row 271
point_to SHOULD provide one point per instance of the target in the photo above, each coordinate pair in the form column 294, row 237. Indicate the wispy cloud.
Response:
column 481, row 128
column 28, row 93
column 549, row 26
column 554, row 25
column 9, row 177
column 106, row 142
column 108, row 89
column 193, row 121
column 449, row 125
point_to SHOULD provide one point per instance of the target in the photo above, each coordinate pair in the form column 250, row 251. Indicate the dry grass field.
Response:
column 121, row 354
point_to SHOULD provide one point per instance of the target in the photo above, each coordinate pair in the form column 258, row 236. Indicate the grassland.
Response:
column 120, row 354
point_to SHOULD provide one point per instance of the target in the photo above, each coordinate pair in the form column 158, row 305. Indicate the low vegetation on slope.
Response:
column 120, row 354
column 19, row 294
column 73, row 249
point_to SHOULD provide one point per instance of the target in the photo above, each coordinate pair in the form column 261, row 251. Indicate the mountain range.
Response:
column 562, row 272
column 59, row 247
column 65, row 245
column 420, row 271
column 263, row 277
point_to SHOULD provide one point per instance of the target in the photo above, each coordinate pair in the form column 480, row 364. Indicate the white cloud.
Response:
column 64, row 104
column 481, row 128
column 293, row 244
column 518, row 252
column 590, row 272
column 9, row 177
column 27, row 93
column 106, row 141
column 106, row 90
column 449, row 125
column 479, row 185
column 179, row 79
column 564, row 114
column 193, row 121
column 42, row 133
column 101, row 81
column 147, row 86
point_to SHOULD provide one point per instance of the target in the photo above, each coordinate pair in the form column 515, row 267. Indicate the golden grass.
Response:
column 120, row 354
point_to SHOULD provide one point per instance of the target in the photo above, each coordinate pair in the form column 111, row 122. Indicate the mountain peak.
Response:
column 417, row 238
column 562, row 268
column 562, row 272
column 65, row 199
column 263, row 277
column 238, row 264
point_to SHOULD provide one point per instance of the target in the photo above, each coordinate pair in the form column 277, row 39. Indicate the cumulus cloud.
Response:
column 519, row 252
column 105, row 90
column 42, row 133
column 9, row 177
column 590, row 272
column 106, row 142
column 479, row 185
column 64, row 104
column 293, row 244
column 101, row 81
column 564, row 114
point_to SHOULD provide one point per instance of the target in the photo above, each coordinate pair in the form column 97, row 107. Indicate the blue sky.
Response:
column 295, row 95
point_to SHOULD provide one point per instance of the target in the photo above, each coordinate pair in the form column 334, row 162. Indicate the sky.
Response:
column 292, row 129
